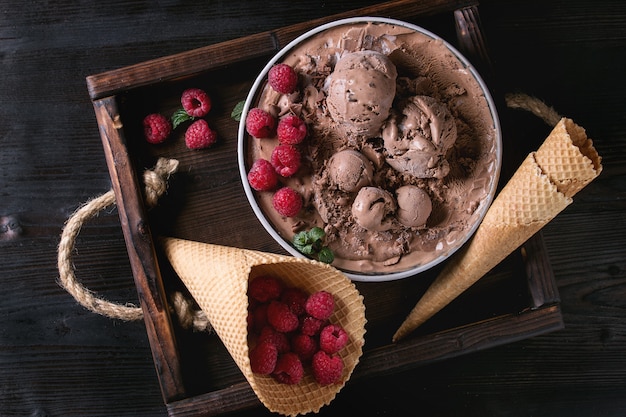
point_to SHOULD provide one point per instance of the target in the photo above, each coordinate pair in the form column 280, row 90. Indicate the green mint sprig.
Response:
column 311, row 243
column 237, row 111
column 180, row 116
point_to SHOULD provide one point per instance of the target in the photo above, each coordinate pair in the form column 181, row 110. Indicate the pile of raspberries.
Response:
column 196, row 104
column 285, row 159
column 289, row 330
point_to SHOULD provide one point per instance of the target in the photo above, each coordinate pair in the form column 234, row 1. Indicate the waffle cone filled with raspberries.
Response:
column 232, row 286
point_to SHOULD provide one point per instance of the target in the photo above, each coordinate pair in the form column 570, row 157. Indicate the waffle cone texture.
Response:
column 541, row 188
column 217, row 277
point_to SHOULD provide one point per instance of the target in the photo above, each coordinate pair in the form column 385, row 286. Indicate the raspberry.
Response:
column 283, row 78
column 287, row 202
column 291, row 130
column 263, row 358
column 280, row 317
column 278, row 339
column 288, row 369
column 289, row 329
column 304, row 346
column 327, row 369
column 262, row 175
column 311, row 326
column 260, row 123
column 199, row 135
column 333, row 338
column 320, row 305
column 196, row 102
column 265, row 288
column 295, row 298
column 259, row 317
column 156, row 128
column 286, row 160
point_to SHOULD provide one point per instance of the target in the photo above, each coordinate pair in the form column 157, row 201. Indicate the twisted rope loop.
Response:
column 533, row 105
column 155, row 186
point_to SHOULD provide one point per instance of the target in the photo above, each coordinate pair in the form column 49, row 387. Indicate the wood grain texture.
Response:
column 56, row 359
column 190, row 63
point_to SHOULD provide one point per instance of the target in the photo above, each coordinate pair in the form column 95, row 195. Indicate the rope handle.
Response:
column 189, row 315
column 533, row 105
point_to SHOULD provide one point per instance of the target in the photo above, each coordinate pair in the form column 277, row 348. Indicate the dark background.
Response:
column 58, row 359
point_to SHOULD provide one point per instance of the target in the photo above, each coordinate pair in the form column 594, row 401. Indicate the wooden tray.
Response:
column 206, row 202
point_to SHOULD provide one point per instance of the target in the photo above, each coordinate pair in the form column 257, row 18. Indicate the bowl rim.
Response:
column 241, row 147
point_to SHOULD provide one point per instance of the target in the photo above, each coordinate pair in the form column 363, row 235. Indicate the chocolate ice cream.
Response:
column 361, row 90
column 350, row 170
column 373, row 209
column 402, row 153
column 414, row 206
column 418, row 137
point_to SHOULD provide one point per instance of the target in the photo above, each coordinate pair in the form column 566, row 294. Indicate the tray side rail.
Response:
column 141, row 250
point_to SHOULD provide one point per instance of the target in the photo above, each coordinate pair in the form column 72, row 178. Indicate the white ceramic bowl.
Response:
column 251, row 194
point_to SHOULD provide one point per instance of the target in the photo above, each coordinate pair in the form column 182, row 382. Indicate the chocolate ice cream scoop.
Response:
column 373, row 209
column 361, row 91
column 414, row 206
column 417, row 140
column 350, row 170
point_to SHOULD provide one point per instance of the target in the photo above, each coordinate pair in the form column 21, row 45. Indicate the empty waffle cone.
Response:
column 540, row 189
column 217, row 277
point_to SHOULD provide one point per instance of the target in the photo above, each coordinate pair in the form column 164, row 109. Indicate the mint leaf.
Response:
column 316, row 234
column 308, row 250
column 180, row 116
column 300, row 240
column 311, row 244
column 326, row 255
column 237, row 111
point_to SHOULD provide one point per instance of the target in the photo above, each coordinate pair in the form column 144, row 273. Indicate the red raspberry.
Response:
column 196, row 102
column 327, row 369
column 281, row 318
column 156, row 128
column 288, row 369
column 311, row 326
column 260, row 123
column 295, row 298
column 262, row 175
column 199, row 135
column 265, row 288
column 278, row 339
column 304, row 346
column 286, row 160
column 259, row 318
column 287, row 202
column 291, row 130
column 333, row 338
column 263, row 358
column 283, row 78
column 320, row 305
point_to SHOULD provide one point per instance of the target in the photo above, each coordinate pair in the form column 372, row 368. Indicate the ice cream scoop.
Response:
column 361, row 91
column 350, row 170
column 417, row 139
column 414, row 206
column 373, row 209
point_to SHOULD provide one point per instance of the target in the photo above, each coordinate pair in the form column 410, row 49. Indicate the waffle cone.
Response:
column 217, row 277
column 541, row 188
column 568, row 158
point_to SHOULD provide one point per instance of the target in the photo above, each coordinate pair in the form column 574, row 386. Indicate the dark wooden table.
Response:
column 58, row 359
